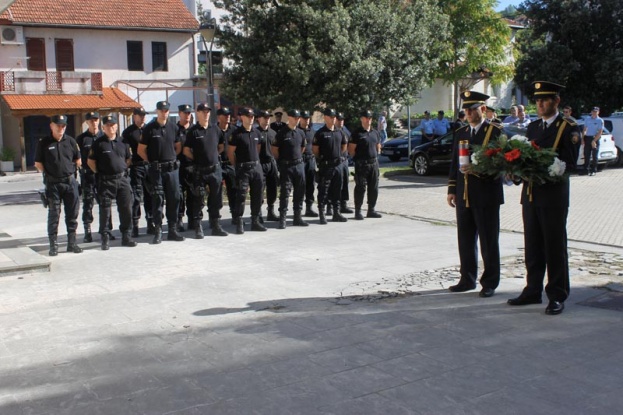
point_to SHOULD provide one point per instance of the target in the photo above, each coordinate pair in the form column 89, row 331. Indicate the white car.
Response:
column 607, row 151
column 614, row 124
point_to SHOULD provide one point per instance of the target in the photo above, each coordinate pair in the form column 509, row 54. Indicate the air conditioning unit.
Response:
column 11, row 35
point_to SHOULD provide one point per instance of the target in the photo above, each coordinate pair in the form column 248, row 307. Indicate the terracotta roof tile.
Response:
column 126, row 14
column 111, row 99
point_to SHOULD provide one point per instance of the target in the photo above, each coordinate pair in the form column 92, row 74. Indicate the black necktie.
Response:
column 473, row 133
column 544, row 125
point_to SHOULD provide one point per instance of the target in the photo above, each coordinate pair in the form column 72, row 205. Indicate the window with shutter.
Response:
column 64, row 54
column 135, row 55
column 159, row 56
column 35, row 51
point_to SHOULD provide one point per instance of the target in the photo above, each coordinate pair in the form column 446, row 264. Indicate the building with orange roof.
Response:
column 72, row 56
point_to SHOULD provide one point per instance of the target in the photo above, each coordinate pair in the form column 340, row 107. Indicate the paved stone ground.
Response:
column 350, row 318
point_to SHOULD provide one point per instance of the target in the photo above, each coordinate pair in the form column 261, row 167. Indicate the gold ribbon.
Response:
column 484, row 144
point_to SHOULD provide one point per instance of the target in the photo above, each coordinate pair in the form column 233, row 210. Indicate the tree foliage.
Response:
column 348, row 54
column 578, row 43
column 477, row 47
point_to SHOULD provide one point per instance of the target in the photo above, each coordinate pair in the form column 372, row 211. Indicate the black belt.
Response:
column 139, row 163
column 368, row 162
column 290, row 162
column 330, row 163
column 206, row 169
column 246, row 164
column 53, row 180
column 112, row 176
column 165, row 166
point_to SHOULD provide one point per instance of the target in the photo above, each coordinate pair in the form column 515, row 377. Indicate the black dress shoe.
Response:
column 461, row 288
column 524, row 300
column 486, row 292
column 554, row 307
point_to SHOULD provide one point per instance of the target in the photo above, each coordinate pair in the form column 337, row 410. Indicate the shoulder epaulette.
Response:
column 570, row 121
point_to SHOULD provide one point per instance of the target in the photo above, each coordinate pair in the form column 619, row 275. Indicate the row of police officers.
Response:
column 171, row 169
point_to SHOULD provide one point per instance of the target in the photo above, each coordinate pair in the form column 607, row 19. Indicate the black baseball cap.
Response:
column 163, row 105
column 223, row 111
column 294, row 113
column 340, row 116
column 184, row 108
column 330, row 112
column 305, row 114
column 366, row 113
column 246, row 111
column 93, row 115
column 59, row 119
column 109, row 119
column 262, row 114
column 202, row 106
column 139, row 111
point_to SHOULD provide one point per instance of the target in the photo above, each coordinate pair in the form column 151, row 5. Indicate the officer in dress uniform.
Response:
column 310, row 164
column 225, row 130
column 288, row 149
column 202, row 147
column 160, row 144
column 57, row 157
column 110, row 158
column 87, row 177
column 328, row 146
column 269, row 165
column 243, row 150
column 186, row 174
column 277, row 124
column 138, row 173
column 477, row 201
column 364, row 147
column 545, row 207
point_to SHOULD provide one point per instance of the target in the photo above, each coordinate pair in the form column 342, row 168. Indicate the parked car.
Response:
column 615, row 125
column 607, row 150
column 398, row 147
column 434, row 154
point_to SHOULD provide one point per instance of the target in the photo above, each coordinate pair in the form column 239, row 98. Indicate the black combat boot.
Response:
column 329, row 210
column 180, row 225
column 135, row 229
column 88, row 237
column 337, row 216
column 216, row 228
column 105, row 241
column 309, row 211
column 157, row 234
column 358, row 214
column 72, row 246
column 111, row 236
column 151, row 228
column 256, row 225
column 298, row 219
column 173, row 234
column 53, row 245
column 373, row 213
column 271, row 217
column 199, row 231
column 344, row 208
column 126, row 240
column 282, row 220
column 323, row 219
column 239, row 225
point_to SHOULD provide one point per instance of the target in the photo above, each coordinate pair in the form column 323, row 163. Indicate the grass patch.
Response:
column 396, row 171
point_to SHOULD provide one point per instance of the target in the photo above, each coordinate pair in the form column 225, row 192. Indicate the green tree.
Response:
column 576, row 43
column 478, row 44
column 346, row 54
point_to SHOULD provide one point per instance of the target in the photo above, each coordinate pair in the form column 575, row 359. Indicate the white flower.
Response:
column 557, row 168
column 475, row 158
column 521, row 138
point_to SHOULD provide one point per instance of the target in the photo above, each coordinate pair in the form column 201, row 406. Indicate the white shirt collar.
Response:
column 477, row 128
column 550, row 120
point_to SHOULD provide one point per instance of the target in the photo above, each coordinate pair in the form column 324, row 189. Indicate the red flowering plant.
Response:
column 517, row 157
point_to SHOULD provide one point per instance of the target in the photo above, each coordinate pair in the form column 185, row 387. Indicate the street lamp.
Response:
column 208, row 30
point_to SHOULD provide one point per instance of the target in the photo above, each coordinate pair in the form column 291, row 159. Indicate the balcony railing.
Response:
column 41, row 82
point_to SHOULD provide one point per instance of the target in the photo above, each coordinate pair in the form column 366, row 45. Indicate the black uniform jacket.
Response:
column 481, row 190
column 552, row 194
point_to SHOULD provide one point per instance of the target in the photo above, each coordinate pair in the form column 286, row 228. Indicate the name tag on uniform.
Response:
column 52, row 148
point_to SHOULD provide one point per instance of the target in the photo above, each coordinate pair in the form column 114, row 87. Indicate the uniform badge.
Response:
column 467, row 94
column 537, row 86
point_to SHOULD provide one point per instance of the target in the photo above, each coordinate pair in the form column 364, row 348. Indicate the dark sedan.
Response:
column 398, row 147
column 434, row 154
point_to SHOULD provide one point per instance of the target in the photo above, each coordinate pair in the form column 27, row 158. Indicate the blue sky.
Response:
column 505, row 3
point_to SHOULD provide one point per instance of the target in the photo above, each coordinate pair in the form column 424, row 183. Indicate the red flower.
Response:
column 535, row 145
column 512, row 155
column 492, row 152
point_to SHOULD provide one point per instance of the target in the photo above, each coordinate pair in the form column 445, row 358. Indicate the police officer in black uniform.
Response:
column 57, row 157
column 160, row 145
column 545, row 207
column 202, row 147
column 87, row 177
column 277, row 124
column 109, row 158
column 344, row 195
column 269, row 165
column 243, row 150
column 138, row 173
column 310, row 164
column 328, row 146
column 477, row 201
column 288, row 148
column 225, row 130
column 364, row 147
column 186, row 173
